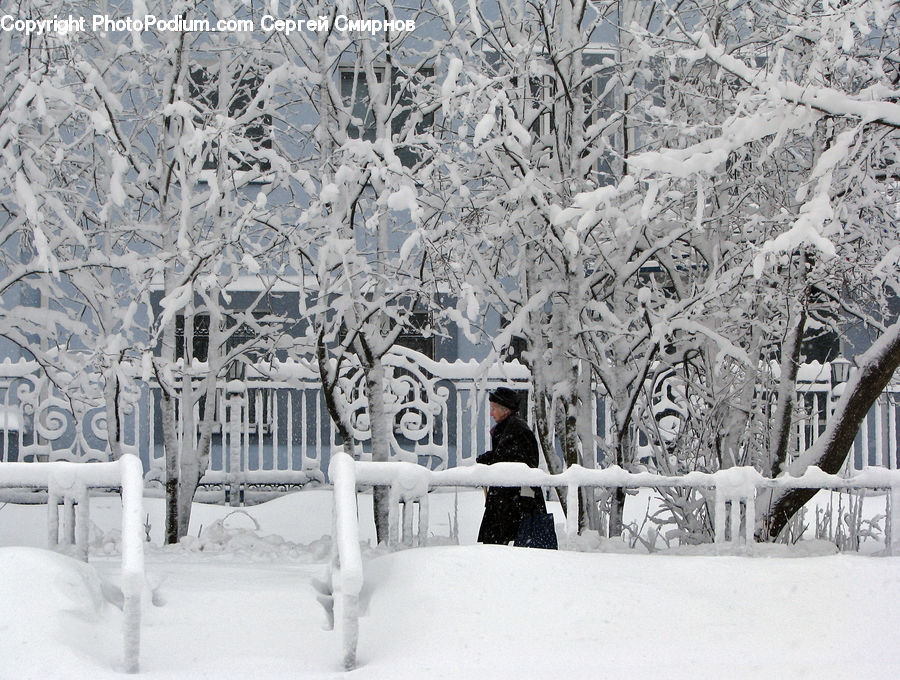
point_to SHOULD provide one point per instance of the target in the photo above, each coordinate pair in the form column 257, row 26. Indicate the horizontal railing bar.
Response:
column 414, row 476
column 39, row 475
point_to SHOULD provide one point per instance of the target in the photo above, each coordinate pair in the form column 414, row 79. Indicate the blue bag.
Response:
column 537, row 531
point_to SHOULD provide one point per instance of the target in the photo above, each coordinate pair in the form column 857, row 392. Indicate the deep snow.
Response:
column 238, row 602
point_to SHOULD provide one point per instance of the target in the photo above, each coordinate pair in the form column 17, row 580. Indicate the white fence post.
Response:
column 750, row 518
column 82, row 518
column 347, row 573
column 394, row 517
column 237, row 391
column 409, row 509
column 735, row 513
column 423, row 520
column 132, row 557
column 52, row 519
column 893, row 522
column 719, row 520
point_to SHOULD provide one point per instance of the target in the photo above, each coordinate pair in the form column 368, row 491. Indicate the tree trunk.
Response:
column 378, row 425
column 194, row 458
column 567, row 434
column 329, row 381
column 787, row 393
column 590, row 513
column 187, row 455
column 876, row 368
column 732, row 445
column 111, row 398
column 193, row 466
column 170, row 446
column 188, row 480
column 617, row 501
column 169, row 422
column 543, row 417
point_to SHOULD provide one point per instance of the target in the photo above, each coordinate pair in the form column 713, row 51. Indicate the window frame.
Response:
column 246, row 82
column 353, row 90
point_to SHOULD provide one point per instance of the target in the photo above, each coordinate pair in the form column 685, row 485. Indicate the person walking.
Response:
column 512, row 441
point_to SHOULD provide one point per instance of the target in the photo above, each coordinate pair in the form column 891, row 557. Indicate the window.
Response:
column 241, row 336
column 600, row 103
column 248, row 142
column 517, row 346
column 540, row 99
column 199, row 341
column 418, row 334
column 355, row 94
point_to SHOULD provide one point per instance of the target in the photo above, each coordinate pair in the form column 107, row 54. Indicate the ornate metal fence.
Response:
column 272, row 426
column 60, row 417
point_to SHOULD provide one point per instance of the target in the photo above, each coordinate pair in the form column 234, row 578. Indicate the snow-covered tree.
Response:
column 808, row 131
column 563, row 96
column 206, row 173
column 67, row 288
column 665, row 202
column 521, row 101
column 152, row 173
column 363, row 234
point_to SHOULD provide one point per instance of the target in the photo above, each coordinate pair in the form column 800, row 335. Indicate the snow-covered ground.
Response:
column 237, row 601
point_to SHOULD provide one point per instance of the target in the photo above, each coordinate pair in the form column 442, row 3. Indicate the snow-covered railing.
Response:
column 440, row 418
column 346, row 559
column 69, row 484
column 735, row 506
column 735, row 486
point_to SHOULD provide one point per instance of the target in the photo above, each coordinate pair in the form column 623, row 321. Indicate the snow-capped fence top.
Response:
column 735, row 499
column 412, row 482
column 69, row 483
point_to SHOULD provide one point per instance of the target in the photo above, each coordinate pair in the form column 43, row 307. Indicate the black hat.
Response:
column 505, row 397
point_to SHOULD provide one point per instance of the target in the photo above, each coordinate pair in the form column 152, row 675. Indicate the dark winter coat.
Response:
column 511, row 442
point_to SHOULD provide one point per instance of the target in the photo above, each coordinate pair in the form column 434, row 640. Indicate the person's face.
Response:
column 498, row 412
